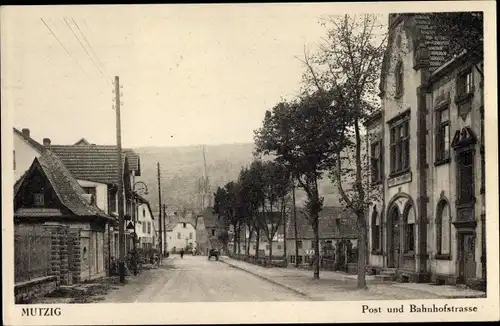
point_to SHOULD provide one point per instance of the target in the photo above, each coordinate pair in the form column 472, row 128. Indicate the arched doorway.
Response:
column 394, row 235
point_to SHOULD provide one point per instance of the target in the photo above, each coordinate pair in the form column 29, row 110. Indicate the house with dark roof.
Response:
column 337, row 235
column 430, row 223
column 215, row 227
column 96, row 169
column 48, row 197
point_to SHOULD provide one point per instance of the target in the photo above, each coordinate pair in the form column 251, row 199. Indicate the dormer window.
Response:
column 465, row 83
column 399, row 79
column 184, row 225
column 38, row 199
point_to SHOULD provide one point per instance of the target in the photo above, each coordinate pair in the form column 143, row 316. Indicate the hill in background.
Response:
column 181, row 168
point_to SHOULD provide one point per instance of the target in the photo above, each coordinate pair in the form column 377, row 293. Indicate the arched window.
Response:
column 399, row 76
column 409, row 230
column 443, row 229
column 376, row 239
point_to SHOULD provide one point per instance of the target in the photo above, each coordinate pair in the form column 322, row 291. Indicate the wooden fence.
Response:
column 32, row 249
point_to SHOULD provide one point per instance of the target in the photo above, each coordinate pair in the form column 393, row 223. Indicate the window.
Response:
column 306, row 259
column 400, row 147
column 443, row 134
column 376, row 161
column 190, row 235
column 409, row 230
column 178, row 235
column 299, row 244
column 184, row 225
column 279, row 247
column 376, row 243
column 38, row 199
column 254, row 247
column 143, row 212
column 465, row 83
column 149, row 227
column 112, row 201
column 213, row 232
column 399, row 79
column 443, row 229
column 299, row 259
column 144, row 227
column 292, row 259
column 90, row 190
column 465, row 172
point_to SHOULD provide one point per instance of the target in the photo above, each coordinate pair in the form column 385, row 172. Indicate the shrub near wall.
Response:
column 275, row 261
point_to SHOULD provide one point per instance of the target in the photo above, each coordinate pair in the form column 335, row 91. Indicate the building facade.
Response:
column 180, row 235
column 429, row 135
column 145, row 226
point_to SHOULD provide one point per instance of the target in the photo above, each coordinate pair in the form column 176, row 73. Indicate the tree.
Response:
column 276, row 182
column 465, row 32
column 349, row 64
column 304, row 136
column 221, row 209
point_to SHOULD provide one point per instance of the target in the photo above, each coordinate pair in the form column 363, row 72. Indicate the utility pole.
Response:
column 121, row 227
column 160, row 215
column 295, row 224
column 164, row 229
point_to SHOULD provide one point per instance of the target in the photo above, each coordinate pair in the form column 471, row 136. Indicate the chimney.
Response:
column 26, row 132
column 46, row 142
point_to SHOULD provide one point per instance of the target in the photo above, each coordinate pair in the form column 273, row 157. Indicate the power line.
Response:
column 65, row 49
column 78, row 39
column 91, row 47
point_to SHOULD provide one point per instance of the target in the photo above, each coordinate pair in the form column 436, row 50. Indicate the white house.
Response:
column 145, row 226
column 181, row 234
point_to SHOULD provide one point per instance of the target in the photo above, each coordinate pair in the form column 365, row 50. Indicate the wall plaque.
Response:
column 400, row 179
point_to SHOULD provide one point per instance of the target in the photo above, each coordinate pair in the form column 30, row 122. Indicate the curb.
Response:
column 290, row 288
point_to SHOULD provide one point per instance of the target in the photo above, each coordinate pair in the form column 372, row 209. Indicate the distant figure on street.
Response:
column 182, row 253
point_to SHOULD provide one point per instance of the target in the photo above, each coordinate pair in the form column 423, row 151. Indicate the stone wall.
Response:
column 25, row 292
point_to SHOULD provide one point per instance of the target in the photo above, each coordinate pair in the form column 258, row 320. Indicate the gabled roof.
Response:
column 334, row 222
column 423, row 33
column 36, row 145
column 171, row 225
column 69, row 192
column 94, row 162
column 144, row 201
column 82, row 141
column 210, row 219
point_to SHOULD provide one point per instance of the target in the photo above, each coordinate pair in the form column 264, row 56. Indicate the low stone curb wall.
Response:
column 25, row 292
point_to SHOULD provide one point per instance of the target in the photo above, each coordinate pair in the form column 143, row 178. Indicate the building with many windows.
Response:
column 427, row 158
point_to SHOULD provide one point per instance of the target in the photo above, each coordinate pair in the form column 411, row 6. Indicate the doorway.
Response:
column 395, row 238
column 467, row 265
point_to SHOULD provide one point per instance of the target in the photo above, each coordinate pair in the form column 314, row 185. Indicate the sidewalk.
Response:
column 334, row 286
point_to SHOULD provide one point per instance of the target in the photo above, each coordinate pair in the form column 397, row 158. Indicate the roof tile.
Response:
column 94, row 162
column 67, row 189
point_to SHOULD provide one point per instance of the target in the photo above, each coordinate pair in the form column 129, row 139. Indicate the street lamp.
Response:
column 138, row 188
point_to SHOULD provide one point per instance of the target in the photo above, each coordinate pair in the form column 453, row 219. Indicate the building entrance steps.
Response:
column 335, row 286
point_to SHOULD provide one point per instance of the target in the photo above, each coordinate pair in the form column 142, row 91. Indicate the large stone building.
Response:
column 427, row 156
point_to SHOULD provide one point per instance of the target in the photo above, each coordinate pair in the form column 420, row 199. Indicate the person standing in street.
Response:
column 182, row 253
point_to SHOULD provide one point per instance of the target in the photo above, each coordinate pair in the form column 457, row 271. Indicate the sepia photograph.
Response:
column 237, row 154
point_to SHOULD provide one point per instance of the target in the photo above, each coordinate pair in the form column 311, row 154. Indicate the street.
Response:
column 196, row 279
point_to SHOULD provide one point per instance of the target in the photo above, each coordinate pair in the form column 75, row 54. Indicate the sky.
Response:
column 191, row 74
